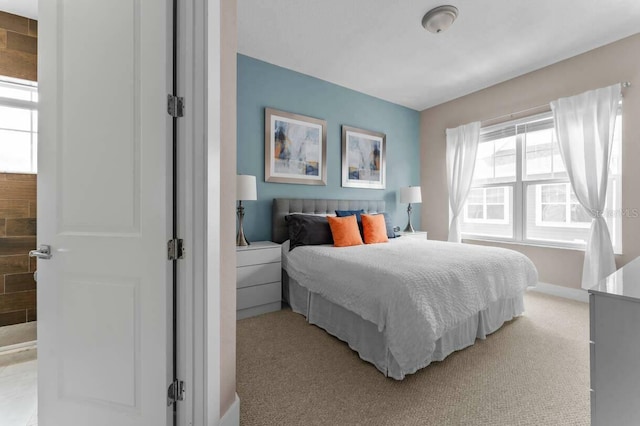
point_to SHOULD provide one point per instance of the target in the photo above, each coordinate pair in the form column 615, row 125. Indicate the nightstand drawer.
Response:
column 258, row 295
column 418, row 234
column 258, row 274
column 254, row 257
column 258, row 277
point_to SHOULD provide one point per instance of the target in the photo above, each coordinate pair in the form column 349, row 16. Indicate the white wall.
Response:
column 228, row 128
column 613, row 63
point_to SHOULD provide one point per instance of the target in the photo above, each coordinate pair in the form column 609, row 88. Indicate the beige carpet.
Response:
column 533, row 371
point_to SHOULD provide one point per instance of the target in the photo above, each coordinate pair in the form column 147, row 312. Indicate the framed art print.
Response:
column 295, row 148
column 363, row 158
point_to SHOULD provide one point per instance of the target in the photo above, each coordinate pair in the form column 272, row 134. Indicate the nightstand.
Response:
column 258, row 279
column 418, row 234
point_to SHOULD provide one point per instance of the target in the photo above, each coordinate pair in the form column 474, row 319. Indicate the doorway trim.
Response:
column 198, row 296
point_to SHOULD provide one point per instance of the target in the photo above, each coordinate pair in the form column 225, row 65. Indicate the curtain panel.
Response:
column 584, row 127
column 462, row 146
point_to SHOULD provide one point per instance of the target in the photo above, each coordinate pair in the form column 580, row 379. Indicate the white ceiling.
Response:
column 380, row 48
column 28, row 8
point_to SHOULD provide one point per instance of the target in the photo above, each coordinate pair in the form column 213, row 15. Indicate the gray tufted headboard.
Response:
column 285, row 206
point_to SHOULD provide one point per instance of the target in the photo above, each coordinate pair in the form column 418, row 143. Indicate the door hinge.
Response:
column 175, row 392
column 175, row 106
column 175, row 249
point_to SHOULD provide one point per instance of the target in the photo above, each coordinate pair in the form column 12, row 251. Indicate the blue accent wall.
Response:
column 262, row 85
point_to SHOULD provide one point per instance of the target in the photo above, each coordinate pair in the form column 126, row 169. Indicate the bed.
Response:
column 404, row 304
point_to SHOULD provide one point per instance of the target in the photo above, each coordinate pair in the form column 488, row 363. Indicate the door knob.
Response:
column 43, row 252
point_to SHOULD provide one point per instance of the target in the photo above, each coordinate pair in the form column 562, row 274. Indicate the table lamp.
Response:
column 245, row 191
column 410, row 194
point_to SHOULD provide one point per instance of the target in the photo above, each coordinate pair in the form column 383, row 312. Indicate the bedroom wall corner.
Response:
column 228, row 129
column 261, row 85
column 606, row 65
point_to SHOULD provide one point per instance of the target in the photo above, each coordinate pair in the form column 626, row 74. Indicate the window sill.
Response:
column 18, row 173
column 528, row 244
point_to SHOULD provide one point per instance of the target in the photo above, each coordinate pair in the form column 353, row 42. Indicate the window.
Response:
column 18, row 125
column 487, row 205
column 521, row 190
column 556, row 205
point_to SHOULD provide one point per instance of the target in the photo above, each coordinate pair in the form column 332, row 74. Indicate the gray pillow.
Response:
column 389, row 225
column 308, row 230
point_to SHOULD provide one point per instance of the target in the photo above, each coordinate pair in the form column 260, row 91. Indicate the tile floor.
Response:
column 18, row 394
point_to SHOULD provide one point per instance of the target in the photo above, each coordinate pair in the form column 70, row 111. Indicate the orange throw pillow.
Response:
column 345, row 231
column 374, row 229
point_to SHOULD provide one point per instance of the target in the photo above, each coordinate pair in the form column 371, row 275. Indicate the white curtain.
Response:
column 584, row 126
column 462, row 146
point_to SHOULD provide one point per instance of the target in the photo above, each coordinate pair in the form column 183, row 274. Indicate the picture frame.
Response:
column 363, row 158
column 295, row 148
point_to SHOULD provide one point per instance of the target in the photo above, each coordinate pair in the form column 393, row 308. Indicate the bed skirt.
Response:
column 363, row 336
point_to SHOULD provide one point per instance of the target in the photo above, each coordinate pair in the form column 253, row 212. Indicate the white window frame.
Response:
column 31, row 105
column 520, row 189
column 485, row 204
column 568, row 223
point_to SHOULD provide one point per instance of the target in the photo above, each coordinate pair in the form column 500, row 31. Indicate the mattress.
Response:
column 407, row 303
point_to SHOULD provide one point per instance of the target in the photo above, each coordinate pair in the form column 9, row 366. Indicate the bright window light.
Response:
column 521, row 191
column 18, row 125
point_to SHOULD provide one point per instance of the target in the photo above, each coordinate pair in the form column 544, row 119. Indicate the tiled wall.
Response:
column 18, row 47
column 17, row 237
column 18, row 59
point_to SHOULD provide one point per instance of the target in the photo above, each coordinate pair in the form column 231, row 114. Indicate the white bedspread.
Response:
column 412, row 289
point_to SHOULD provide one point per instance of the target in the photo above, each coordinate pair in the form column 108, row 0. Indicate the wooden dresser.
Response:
column 614, row 307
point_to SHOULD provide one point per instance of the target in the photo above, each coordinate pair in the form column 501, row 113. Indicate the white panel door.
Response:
column 104, row 195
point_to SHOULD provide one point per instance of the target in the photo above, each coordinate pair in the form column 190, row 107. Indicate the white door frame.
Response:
column 188, row 213
column 199, row 182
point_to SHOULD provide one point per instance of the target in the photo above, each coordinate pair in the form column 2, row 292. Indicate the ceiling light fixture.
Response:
column 439, row 19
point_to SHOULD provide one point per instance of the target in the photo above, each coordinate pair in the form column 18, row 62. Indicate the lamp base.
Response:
column 409, row 227
column 241, row 240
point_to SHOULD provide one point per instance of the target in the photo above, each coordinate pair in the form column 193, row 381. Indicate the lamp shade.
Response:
column 246, row 187
column 410, row 194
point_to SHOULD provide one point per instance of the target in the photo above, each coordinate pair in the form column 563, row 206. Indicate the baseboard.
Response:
column 560, row 291
column 18, row 347
column 232, row 416
column 18, row 353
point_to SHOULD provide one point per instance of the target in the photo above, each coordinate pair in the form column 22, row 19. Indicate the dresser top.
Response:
column 625, row 282
column 258, row 245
